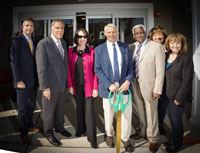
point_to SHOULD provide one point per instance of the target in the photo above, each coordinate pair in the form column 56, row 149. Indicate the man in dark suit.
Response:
column 114, row 74
column 51, row 59
column 22, row 57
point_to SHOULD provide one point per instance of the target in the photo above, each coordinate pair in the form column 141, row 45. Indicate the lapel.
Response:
column 145, row 50
column 175, row 61
column 106, row 56
column 26, row 45
column 65, row 49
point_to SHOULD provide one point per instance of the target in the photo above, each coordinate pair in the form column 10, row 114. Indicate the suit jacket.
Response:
column 90, row 78
column 179, row 77
column 23, row 62
column 151, row 69
column 103, row 68
column 52, row 69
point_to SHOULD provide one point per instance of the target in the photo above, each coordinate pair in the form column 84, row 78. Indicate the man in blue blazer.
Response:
column 114, row 69
column 22, row 56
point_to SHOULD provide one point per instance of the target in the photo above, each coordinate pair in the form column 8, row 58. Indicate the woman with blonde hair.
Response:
column 179, row 76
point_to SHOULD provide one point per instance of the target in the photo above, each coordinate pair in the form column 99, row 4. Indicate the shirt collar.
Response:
column 26, row 37
column 143, row 44
column 54, row 39
column 87, row 50
column 111, row 43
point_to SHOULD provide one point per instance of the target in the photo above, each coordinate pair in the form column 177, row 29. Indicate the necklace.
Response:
column 171, row 58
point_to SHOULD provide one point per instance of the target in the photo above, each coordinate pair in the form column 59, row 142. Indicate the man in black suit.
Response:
column 22, row 57
column 52, row 68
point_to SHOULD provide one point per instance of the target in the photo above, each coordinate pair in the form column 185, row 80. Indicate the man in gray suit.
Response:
column 149, row 67
column 51, row 60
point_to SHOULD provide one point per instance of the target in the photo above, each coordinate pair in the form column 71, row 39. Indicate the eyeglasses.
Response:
column 79, row 36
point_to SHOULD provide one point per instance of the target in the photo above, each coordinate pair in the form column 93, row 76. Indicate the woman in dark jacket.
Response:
column 179, row 76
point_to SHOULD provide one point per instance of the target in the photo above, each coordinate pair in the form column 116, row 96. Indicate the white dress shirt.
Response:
column 111, row 55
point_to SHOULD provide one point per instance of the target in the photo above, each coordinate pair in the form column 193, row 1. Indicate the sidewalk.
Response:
column 10, row 137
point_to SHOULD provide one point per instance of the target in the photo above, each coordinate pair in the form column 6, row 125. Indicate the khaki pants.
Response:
column 125, row 118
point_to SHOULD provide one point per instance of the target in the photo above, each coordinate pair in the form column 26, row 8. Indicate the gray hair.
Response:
column 110, row 25
column 138, row 26
column 56, row 20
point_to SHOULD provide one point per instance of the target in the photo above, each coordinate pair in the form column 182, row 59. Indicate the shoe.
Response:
column 52, row 140
column 172, row 149
column 35, row 130
column 94, row 145
column 65, row 133
column 136, row 136
column 153, row 147
column 109, row 142
column 161, row 130
column 80, row 134
column 127, row 146
column 26, row 139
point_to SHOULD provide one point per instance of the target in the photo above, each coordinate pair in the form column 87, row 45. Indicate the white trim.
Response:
column 48, row 12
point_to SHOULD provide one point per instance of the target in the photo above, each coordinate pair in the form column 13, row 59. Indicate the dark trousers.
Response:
column 163, row 103
column 26, row 100
column 175, row 114
column 81, row 102
column 53, row 112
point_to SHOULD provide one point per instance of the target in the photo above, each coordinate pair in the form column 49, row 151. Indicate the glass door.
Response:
column 95, row 26
column 124, row 26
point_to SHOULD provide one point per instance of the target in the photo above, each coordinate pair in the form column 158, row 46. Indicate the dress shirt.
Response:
column 110, row 53
column 27, row 39
column 141, row 49
column 56, row 41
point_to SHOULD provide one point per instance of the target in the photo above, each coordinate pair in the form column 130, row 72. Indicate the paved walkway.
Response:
column 10, row 138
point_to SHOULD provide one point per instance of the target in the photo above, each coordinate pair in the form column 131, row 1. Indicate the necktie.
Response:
column 136, row 61
column 116, row 65
column 60, row 49
column 30, row 45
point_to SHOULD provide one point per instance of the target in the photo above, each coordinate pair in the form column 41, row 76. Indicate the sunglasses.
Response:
column 79, row 36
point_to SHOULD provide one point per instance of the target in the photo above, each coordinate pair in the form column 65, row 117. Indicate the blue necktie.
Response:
column 116, row 65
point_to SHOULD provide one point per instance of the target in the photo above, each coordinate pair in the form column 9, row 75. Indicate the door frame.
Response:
column 64, row 11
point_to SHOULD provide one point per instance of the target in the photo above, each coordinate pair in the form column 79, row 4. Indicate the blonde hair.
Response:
column 179, row 38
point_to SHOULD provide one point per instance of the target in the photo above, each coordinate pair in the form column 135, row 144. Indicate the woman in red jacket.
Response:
column 83, row 84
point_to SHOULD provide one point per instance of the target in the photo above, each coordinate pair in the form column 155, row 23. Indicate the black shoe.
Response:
column 52, row 140
column 94, row 145
column 65, row 133
column 78, row 134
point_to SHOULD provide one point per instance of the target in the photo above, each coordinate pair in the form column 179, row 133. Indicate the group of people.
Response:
column 156, row 70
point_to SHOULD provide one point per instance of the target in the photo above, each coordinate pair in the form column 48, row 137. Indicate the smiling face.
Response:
column 175, row 46
column 139, row 34
column 111, row 34
column 82, row 38
column 28, row 27
column 158, row 37
column 57, row 29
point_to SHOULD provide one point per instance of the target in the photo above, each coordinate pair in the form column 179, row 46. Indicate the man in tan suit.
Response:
column 149, row 67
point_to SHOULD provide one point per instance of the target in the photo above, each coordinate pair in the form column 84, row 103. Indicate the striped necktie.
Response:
column 30, row 45
column 136, row 61
column 60, row 49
